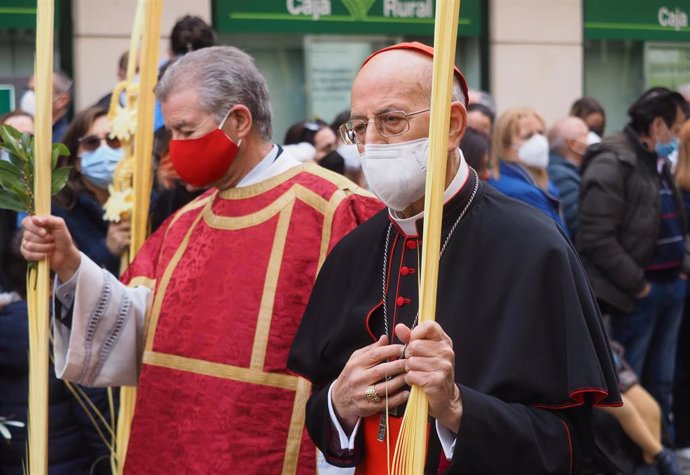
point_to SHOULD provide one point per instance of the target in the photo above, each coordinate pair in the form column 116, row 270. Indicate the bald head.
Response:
column 568, row 137
column 416, row 75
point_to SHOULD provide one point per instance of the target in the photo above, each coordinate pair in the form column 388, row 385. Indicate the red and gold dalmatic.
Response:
column 232, row 273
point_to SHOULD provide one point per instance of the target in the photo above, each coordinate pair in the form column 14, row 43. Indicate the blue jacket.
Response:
column 566, row 177
column 517, row 183
column 73, row 445
column 89, row 230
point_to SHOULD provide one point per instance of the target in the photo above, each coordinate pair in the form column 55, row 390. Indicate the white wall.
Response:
column 536, row 54
column 102, row 33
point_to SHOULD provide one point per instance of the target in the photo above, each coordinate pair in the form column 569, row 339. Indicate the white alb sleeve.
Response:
column 104, row 345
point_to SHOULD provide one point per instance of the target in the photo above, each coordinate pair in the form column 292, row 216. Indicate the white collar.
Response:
column 408, row 225
column 268, row 167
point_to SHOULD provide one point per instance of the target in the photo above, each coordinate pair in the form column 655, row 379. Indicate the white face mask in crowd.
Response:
column 396, row 173
column 28, row 102
column 535, row 152
column 592, row 138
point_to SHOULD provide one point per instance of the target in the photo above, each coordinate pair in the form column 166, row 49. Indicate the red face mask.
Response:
column 203, row 161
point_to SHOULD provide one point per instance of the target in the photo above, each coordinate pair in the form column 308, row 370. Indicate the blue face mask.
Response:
column 668, row 148
column 98, row 166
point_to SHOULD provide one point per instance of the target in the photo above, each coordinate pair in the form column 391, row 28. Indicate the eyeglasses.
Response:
column 388, row 124
column 92, row 142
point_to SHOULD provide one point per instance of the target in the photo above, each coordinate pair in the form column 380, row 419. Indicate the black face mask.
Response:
column 334, row 162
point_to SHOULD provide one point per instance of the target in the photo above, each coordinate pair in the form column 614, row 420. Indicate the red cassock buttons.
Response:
column 411, row 244
column 404, row 270
column 400, row 301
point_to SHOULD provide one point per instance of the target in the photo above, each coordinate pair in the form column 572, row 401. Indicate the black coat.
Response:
column 74, row 446
column 530, row 348
column 620, row 214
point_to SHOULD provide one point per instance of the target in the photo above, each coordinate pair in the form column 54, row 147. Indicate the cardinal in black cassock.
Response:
column 529, row 348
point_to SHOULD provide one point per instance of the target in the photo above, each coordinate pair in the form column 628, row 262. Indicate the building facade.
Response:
column 541, row 53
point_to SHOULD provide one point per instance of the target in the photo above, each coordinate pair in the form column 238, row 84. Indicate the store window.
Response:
column 310, row 52
column 630, row 46
column 17, row 47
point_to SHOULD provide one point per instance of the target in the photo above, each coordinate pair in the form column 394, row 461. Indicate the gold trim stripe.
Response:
column 198, row 203
column 222, row 371
column 294, row 440
column 263, row 322
column 343, row 183
column 327, row 229
column 165, row 280
column 261, row 187
column 308, row 197
column 142, row 281
column 231, row 223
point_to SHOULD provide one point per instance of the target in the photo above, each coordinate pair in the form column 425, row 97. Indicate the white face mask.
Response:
column 535, row 152
column 28, row 102
column 396, row 173
column 592, row 138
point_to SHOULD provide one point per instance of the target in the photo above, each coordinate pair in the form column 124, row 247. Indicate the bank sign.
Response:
column 665, row 20
column 362, row 17
column 21, row 14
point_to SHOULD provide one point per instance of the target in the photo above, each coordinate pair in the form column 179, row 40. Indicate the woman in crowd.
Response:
column 519, row 157
column 24, row 123
column 640, row 419
column 476, row 149
column 94, row 154
column 592, row 112
column 75, row 445
column 322, row 140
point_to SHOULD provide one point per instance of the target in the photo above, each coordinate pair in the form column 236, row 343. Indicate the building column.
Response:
column 536, row 54
column 102, row 30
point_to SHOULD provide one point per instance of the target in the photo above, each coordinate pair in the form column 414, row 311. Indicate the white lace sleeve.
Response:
column 104, row 344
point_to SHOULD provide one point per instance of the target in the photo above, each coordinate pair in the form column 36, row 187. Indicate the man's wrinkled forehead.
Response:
column 415, row 50
column 382, row 84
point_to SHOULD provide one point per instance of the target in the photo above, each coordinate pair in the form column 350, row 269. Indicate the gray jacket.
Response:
column 620, row 215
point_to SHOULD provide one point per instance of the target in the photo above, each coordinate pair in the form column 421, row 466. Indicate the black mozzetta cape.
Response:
column 531, row 352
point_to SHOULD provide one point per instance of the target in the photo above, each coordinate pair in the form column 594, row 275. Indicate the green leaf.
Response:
column 21, row 192
column 9, row 137
column 7, row 168
column 60, row 177
column 59, row 150
column 9, row 201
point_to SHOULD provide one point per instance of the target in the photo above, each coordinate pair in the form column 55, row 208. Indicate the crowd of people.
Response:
column 563, row 314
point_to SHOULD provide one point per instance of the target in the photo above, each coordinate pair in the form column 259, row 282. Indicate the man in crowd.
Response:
column 62, row 98
column 216, row 293
column 517, row 355
column 568, row 144
column 631, row 237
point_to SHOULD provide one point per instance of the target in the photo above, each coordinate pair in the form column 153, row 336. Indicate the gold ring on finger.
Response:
column 371, row 394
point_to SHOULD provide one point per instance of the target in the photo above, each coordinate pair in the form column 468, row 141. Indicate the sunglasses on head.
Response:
column 92, row 142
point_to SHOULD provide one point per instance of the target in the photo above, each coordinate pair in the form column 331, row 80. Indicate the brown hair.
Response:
column 15, row 113
column 682, row 173
column 507, row 126
column 81, row 124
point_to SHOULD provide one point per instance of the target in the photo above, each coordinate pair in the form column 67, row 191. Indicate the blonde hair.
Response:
column 508, row 126
column 682, row 173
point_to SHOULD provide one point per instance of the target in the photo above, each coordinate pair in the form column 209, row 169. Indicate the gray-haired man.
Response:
column 216, row 294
